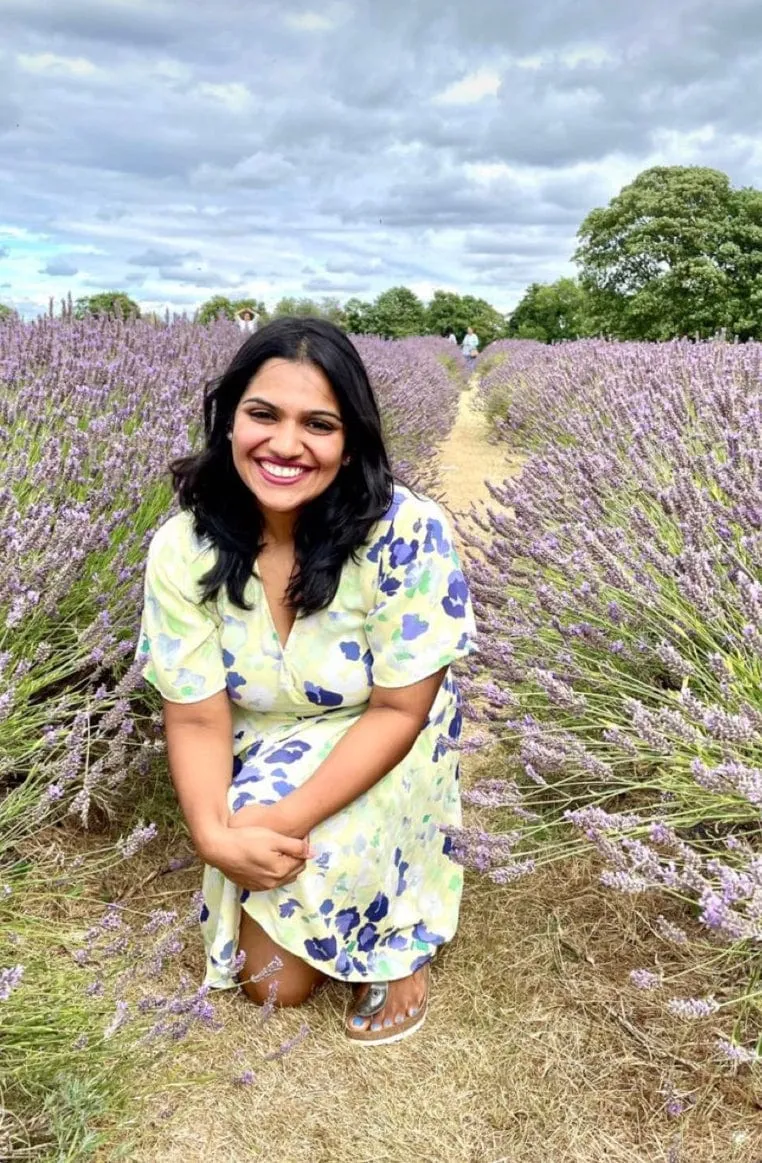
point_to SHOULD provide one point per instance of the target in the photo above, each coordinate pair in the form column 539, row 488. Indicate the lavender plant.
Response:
column 618, row 586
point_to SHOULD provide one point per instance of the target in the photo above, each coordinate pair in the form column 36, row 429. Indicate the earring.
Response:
column 346, row 460
column 229, row 433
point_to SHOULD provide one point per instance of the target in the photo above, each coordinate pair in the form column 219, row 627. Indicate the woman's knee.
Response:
column 282, row 994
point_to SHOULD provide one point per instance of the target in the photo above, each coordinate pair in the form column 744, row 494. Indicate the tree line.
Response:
column 678, row 252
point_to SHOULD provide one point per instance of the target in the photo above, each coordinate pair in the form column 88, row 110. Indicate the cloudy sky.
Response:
column 183, row 148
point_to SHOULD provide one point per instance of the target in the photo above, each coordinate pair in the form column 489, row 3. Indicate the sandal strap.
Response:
column 374, row 1000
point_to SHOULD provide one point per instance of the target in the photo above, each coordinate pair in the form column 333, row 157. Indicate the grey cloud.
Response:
column 335, row 287
column 4, row 251
column 59, row 266
column 354, row 177
column 153, row 257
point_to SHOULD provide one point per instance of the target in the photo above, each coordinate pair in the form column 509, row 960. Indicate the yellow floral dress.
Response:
column 381, row 893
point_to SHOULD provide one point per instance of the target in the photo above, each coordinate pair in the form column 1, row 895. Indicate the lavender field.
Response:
column 614, row 756
column 618, row 586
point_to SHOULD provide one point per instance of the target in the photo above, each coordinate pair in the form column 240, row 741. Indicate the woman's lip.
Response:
column 272, row 479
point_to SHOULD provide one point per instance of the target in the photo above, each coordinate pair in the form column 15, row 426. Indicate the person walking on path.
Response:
column 301, row 614
column 470, row 347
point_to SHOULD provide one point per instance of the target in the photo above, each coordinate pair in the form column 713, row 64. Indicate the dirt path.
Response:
column 469, row 459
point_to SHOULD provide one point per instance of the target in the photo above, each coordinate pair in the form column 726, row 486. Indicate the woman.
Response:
column 301, row 613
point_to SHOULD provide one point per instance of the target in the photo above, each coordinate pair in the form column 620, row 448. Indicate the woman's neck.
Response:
column 279, row 529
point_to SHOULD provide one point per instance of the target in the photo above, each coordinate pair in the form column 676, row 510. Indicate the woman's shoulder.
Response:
column 410, row 517
column 176, row 546
column 408, row 506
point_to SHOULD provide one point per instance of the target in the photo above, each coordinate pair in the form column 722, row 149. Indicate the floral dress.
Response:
column 380, row 894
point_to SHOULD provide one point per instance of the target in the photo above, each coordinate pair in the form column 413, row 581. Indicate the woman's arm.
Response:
column 200, row 751
column 377, row 742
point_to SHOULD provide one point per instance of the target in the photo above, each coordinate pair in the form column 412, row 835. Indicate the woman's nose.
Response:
column 285, row 441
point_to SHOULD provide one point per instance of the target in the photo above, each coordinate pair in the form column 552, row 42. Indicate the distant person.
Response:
column 452, row 337
column 470, row 347
column 246, row 320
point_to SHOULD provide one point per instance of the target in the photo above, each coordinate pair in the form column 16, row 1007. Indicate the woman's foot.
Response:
column 402, row 1010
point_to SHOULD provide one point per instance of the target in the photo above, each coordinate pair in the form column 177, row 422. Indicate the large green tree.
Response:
column 325, row 308
column 551, row 312
column 676, row 252
column 116, row 303
column 219, row 306
column 447, row 312
column 399, row 313
column 360, row 317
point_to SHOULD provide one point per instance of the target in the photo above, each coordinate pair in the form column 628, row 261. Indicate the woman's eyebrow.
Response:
column 313, row 412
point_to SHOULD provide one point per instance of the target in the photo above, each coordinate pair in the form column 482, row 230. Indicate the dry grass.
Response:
column 534, row 1048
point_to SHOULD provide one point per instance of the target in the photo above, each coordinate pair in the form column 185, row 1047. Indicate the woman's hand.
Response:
column 256, row 858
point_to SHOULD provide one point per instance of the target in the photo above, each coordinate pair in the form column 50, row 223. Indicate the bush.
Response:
column 618, row 584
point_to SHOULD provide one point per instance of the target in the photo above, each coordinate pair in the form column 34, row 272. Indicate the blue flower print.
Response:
column 289, row 907
column 413, row 627
column 396, row 941
column 290, row 752
column 454, row 603
column 390, row 585
column 421, row 933
column 321, row 948
column 204, row 914
column 227, row 658
column 245, row 894
column 346, row 920
column 321, row 697
column 435, row 538
column 402, row 552
column 282, row 786
column 326, row 907
column 455, row 725
column 350, row 650
column 462, row 644
column 378, row 908
column 233, row 680
column 402, row 868
column 343, row 964
column 420, row 962
column 447, row 846
column 367, row 938
column 241, row 800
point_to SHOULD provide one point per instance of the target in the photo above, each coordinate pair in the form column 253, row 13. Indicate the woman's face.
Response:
column 287, row 437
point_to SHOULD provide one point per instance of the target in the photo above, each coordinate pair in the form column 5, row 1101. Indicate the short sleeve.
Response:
column 179, row 643
column 422, row 618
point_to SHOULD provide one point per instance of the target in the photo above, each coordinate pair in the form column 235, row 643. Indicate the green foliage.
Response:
column 551, row 312
column 326, row 308
column 447, row 313
column 116, row 303
column 6, row 312
column 361, row 317
column 399, row 313
column 486, row 321
column 219, row 306
column 676, row 252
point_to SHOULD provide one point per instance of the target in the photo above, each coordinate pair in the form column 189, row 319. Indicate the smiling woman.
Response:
column 301, row 614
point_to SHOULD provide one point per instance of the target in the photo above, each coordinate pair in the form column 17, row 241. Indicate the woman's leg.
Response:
column 296, row 980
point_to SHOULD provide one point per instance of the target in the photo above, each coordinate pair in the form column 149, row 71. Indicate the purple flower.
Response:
column 10, row 979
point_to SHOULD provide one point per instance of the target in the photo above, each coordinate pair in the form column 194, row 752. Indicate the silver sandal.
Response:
column 373, row 1003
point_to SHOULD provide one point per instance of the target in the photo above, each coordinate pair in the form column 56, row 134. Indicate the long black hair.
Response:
column 333, row 526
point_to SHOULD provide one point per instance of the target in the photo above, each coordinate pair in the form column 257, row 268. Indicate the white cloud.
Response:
column 471, row 88
column 233, row 95
column 49, row 62
column 309, row 21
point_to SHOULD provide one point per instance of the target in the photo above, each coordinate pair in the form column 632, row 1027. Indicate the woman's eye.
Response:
column 321, row 426
column 260, row 414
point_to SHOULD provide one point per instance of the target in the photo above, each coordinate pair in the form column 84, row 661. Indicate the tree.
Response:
column 486, row 321
column 218, row 305
column 360, row 317
column 399, row 313
column 6, row 313
column 550, row 312
column 325, row 308
column 676, row 252
column 447, row 312
column 116, row 303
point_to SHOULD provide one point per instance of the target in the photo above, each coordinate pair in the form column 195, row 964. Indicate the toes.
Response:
column 359, row 1023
